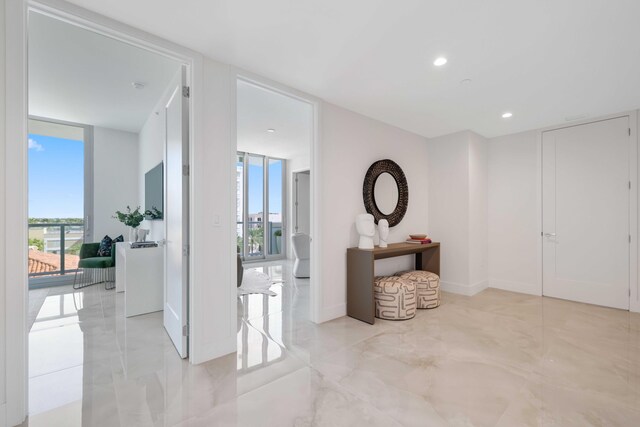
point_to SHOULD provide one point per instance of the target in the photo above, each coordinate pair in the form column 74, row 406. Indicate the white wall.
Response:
column 514, row 223
column 457, row 178
column 115, row 179
column 213, row 190
column 3, row 278
column 448, row 181
column 350, row 144
column 151, row 145
column 478, row 211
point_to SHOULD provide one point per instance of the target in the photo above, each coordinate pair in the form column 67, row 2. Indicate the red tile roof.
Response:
column 42, row 262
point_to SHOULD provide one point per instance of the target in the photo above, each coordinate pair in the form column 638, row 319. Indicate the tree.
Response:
column 38, row 243
column 74, row 249
column 240, row 243
column 256, row 239
column 55, row 220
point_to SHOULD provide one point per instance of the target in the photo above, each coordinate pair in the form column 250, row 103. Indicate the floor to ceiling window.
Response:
column 58, row 193
column 260, row 206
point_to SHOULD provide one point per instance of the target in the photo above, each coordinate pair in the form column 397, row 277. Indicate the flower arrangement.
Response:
column 131, row 219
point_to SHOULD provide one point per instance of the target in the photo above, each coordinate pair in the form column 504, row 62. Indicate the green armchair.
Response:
column 95, row 269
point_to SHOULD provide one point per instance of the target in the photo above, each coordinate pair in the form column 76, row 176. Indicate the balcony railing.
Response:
column 54, row 248
column 275, row 241
column 256, row 238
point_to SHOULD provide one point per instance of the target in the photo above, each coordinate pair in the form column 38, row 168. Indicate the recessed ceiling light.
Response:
column 271, row 130
column 138, row 85
column 507, row 115
column 439, row 62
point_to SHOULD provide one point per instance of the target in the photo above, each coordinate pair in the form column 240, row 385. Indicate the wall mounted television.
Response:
column 154, row 193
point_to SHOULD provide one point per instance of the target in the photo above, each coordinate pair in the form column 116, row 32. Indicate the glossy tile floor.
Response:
column 495, row 359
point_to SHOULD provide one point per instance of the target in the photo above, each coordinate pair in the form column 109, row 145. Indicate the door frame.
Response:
column 16, row 129
column 634, row 194
column 238, row 74
column 294, row 200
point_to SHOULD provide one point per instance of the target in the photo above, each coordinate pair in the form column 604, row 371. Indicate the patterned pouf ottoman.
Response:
column 395, row 298
column 427, row 287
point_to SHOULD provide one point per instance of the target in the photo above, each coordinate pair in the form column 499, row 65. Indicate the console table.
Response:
column 360, row 273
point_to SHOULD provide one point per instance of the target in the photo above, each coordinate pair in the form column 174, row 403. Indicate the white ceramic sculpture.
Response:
column 383, row 231
column 142, row 235
column 366, row 229
column 301, row 244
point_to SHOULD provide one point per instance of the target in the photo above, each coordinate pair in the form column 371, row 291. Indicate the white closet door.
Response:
column 585, row 218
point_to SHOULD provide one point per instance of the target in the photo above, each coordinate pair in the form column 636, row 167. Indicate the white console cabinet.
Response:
column 140, row 275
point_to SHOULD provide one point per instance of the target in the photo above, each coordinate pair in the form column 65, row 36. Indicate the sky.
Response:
column 56, row 177
column 275, row 186
column 256, row 186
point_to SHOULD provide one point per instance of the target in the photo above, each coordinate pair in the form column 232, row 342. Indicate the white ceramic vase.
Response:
column 383, row 231
column 133, row 234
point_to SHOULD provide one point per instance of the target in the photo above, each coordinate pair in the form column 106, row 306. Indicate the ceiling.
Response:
column 260, row 110
column 542, row 60
column 80, row 76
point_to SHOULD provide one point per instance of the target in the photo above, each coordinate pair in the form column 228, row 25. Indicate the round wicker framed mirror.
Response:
column 385, row 192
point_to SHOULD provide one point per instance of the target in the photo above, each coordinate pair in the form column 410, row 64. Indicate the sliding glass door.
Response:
column 255, row 207
column 260, row 206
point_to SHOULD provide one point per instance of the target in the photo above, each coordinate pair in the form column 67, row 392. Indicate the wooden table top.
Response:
column 397, row 249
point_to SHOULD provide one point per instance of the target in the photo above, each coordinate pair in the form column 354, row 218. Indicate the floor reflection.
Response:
column 56, row 354
column 262, row 354
column 89, row 365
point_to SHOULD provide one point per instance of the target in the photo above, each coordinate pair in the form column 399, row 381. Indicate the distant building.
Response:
column 51, row 237
column 259, row 217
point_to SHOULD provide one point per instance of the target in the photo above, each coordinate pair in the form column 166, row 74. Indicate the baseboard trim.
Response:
column 513, row 286
column 333, row 312
column 468, row 290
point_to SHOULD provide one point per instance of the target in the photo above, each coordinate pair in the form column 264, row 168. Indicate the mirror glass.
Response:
column 385, row 193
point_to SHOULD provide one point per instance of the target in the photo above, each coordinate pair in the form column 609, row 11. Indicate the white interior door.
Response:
column 302, row 202
column 585, row 218
column 177, row 215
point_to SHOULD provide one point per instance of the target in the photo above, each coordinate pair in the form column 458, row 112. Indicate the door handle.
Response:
column 548, row 235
